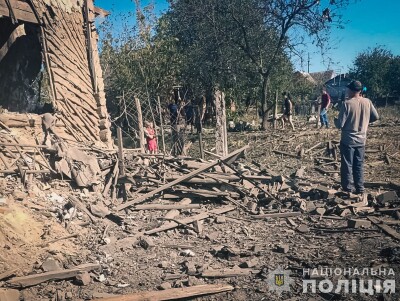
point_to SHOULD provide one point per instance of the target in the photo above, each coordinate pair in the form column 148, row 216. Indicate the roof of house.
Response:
column 304, row 75
column 323, row 76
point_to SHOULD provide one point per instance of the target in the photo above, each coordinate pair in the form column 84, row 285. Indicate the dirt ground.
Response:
column 238, row 240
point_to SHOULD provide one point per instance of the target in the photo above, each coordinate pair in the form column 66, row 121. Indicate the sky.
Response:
column 369, row 23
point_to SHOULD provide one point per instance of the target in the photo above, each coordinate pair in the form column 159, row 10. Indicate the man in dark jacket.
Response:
column 355, row 115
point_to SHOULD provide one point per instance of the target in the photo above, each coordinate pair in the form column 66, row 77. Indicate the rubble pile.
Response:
column 155, row 226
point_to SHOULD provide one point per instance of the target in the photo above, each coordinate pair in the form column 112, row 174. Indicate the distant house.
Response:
column 322, row 77
column 336, row 87
column 304, row 77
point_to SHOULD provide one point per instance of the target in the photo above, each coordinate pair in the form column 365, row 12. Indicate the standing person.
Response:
column 325, row 102
column 355, row 115
column 173, row 113
column 287, row 110
column 189, row 115
column 151, row 139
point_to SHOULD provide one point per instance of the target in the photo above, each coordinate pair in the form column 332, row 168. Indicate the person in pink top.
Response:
column 150, row 137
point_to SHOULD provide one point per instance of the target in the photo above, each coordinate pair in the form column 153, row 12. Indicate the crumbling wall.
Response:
column 70, row 56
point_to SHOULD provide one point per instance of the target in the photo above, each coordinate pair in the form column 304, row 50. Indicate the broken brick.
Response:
column 165, row 286
column 303, row 228
column 83, row 278
column 99, row 210
column 282, row 248
column 49, row 265
column 9, row 294
column 220, row 220
column 358, row 223
column 146, row 242
column 249, row 263
column 320, row 211
column 388, row 196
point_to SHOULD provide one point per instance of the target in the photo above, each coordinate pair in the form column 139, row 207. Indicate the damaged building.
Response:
column 49, row 62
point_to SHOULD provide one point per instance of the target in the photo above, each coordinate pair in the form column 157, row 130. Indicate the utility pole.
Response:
column 308, row 63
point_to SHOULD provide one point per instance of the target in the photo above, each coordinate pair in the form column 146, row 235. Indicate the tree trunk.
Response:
column 221, row 130
column 264, row 103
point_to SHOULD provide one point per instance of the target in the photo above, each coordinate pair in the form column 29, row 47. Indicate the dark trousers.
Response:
column 352, row 167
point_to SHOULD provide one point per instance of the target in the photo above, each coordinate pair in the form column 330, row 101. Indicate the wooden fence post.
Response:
column 221, row 130
column 161, row 124
column 140, row 124
column 276, row 110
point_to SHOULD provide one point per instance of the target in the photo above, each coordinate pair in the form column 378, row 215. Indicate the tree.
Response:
column 134, row 59
column 256, row 35
column 210, row 44
column 288, row 23
column 393, row 76
column 371, row 67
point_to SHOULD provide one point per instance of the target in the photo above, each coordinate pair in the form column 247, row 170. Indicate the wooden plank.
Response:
column 76, row 100
column 71, row 77
column 22, row 11
column 70, row 122
column 73, row 71
column 385, row 228
column 110, row 180
column 69, row 47
column 237, row 203
column 17, row 32
column 68, row 62
column 8, row 274
column 173, row 293
column 74, row 23
column 315, row 146
column 77, row 203
column 89, row 44
column 90, row 127
column 13, row 171
column 166, row 207
column 179, row 180
column 286, row 154
column 66, row 20
column 31, row 280
column 224, row 273
column 48, row 67
column 23, row 145
column 191, row 219
column 277, row 215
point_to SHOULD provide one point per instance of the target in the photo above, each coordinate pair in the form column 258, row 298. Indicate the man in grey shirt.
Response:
column 355, row 115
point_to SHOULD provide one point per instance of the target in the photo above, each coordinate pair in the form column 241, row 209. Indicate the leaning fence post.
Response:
column 140, row 125
column 161, row 124
column 276, row 110
column 121, row 161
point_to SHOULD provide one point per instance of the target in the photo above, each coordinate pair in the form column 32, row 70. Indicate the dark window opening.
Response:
column 24, row 83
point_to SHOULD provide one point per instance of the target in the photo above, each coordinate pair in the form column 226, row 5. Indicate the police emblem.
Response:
column 279, row 280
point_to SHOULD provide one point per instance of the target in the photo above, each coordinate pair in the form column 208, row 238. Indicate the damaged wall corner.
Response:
column 67, row 47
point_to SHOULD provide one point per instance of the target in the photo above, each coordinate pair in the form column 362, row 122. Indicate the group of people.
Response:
column 356, row 113
column 191, row 116
column 325, row 101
